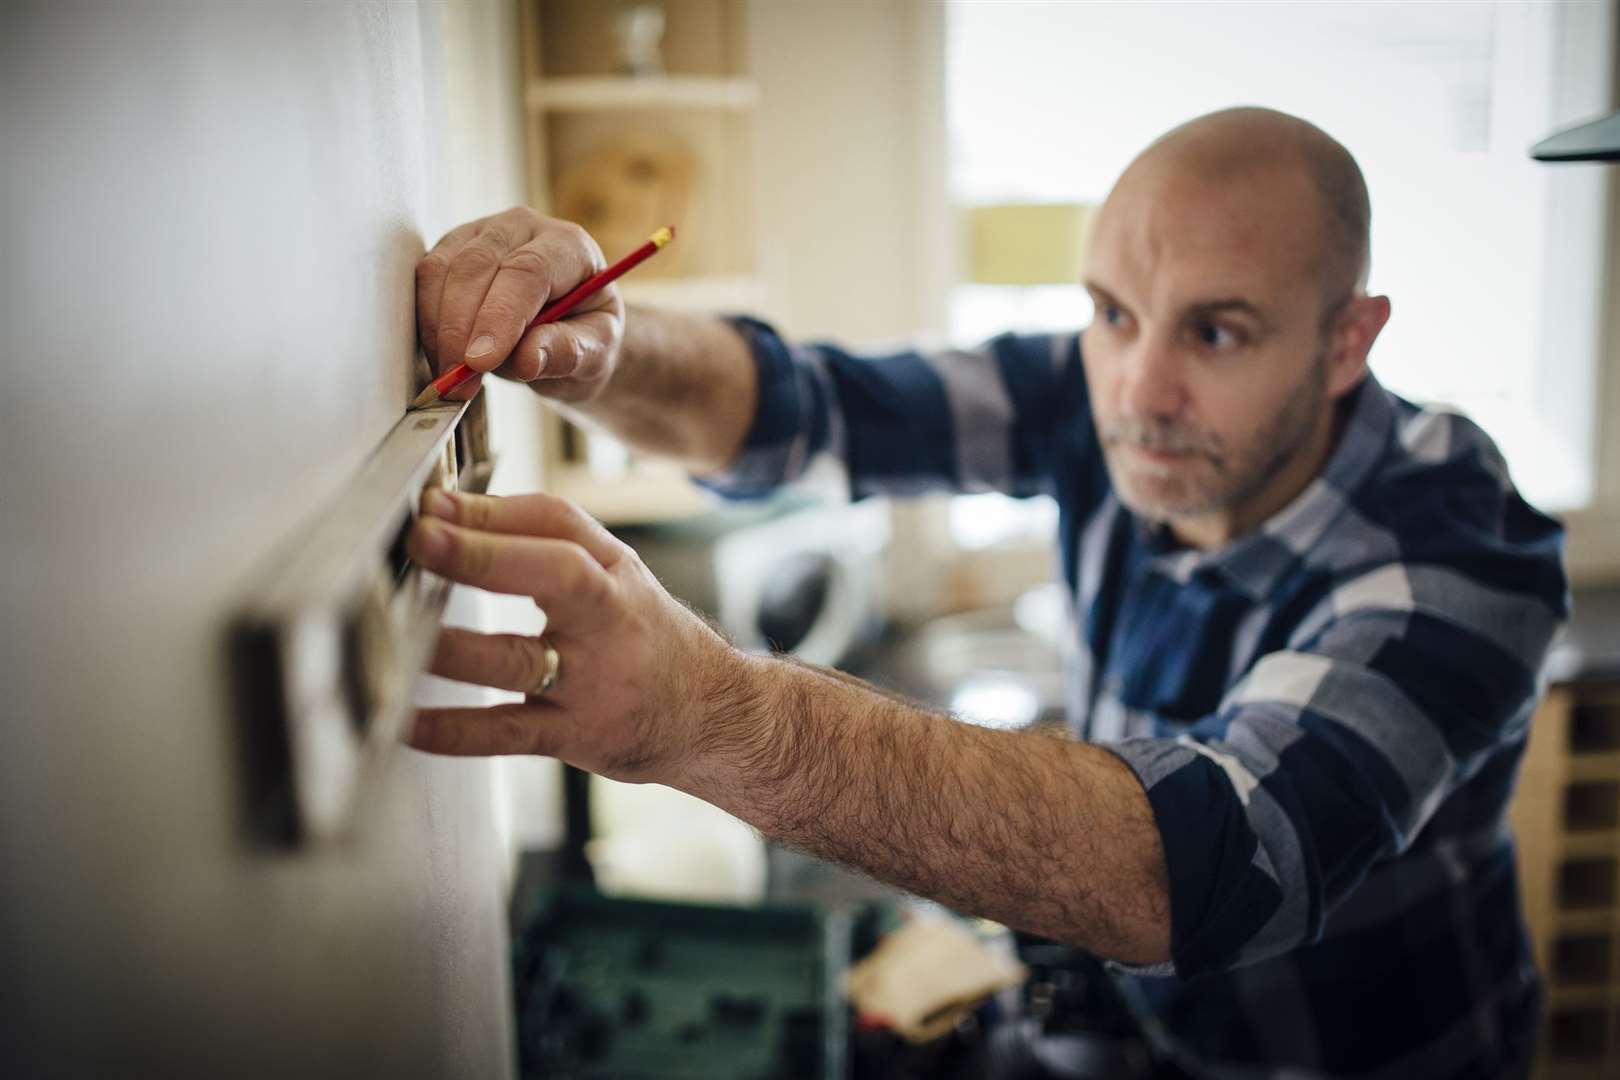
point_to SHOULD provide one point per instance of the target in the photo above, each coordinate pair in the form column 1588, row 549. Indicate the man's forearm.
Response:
column 685, row 388
column 1040, row 833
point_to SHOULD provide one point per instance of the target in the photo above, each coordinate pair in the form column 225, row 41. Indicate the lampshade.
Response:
column 1026, row 243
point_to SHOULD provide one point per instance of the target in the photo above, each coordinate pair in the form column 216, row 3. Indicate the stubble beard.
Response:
column 1215, row 477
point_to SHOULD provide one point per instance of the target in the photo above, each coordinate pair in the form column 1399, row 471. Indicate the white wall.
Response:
column 1594, row 533
column 850, row 163
column 859, row 244
column 212, row 218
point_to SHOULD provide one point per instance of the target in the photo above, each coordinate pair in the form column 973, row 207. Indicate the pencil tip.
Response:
column 427, row 397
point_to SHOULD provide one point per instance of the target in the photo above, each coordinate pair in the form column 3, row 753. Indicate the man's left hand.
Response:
column 990, row 822
column 638, row 675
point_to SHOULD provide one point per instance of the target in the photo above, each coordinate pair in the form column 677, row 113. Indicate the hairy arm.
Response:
column 1040, row 833
column 1048, row 835
column 684, row 387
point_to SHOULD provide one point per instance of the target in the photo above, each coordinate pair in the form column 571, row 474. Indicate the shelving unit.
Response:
column 1566, row 818
column 623, row 154
column 586, row 93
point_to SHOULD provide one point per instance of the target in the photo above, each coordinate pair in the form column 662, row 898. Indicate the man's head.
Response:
column 1228, row 267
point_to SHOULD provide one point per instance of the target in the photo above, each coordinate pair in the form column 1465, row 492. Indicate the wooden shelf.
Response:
column 585, row 93
column 1595, row 766
column 1588, row 920
column 1577, row 997
column 1590, row 844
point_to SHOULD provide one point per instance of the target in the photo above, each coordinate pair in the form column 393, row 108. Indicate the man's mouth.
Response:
column 1159, row 456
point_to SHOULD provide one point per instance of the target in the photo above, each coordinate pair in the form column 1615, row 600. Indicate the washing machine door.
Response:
column 813, row 604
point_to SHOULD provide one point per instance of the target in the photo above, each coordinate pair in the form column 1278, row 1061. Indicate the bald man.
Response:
column 1309, row 615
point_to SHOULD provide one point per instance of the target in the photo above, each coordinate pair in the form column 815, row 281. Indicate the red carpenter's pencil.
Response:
column 444, row 384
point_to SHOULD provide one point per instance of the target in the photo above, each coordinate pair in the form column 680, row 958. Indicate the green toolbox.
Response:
column 609, row 987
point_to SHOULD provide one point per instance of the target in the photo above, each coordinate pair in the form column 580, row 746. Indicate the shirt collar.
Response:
column 1256, row 561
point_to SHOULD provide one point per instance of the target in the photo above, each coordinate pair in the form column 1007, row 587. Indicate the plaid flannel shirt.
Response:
column 1326, row 714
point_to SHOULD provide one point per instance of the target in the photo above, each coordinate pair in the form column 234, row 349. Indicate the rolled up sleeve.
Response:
column 911, row 421
column 1330, row 757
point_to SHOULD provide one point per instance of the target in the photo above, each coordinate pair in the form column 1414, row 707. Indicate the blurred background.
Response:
column 208, row 207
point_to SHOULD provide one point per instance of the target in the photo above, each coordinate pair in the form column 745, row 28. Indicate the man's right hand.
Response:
column 481, row 286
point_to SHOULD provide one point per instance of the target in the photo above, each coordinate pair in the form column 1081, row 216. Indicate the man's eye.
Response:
column 1112, row 315
column 1215, row 336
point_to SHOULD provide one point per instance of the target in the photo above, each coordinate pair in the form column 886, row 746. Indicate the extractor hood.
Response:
column 1595, row 140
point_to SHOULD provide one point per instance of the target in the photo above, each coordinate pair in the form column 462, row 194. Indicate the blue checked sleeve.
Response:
column 986, row 419
column 1332, row 755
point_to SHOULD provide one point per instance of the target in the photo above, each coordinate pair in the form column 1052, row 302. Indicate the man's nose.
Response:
column 1153, row 384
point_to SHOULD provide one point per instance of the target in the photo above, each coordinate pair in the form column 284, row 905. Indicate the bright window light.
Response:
column 979, row 521
column 996, row 699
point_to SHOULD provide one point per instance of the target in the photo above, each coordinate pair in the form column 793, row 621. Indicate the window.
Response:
column 1492, row 261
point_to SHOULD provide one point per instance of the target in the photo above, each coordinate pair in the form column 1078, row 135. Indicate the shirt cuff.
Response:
column 1221, row 895
column 1165, row 969
column 774, row 440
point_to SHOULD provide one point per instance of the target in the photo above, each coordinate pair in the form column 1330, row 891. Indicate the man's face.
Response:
column 1205, row 357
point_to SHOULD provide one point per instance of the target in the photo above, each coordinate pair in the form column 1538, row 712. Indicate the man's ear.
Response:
column 1351, row 338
